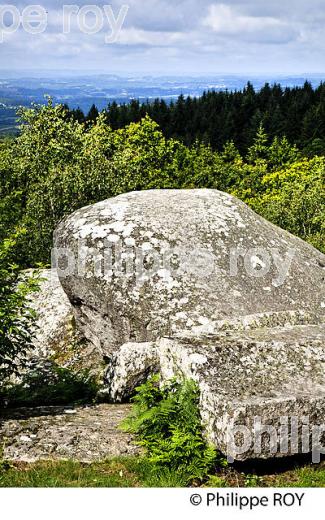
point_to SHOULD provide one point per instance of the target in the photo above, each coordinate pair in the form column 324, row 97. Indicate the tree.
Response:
column 78, row 115
column 282, row 153
column 49, row 143
column 92, row 114
column 10, row 190
column 258, row 150
column 112, row 115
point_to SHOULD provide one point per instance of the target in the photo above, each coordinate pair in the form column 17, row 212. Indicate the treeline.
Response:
column 57, row 165
column 218, row 117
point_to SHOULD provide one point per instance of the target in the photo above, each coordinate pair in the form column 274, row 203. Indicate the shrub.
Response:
column 50, row 385
column 16, row 315
column 292, row 198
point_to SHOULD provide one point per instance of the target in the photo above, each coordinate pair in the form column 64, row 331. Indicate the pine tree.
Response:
column 258, row 150
column 92, row 114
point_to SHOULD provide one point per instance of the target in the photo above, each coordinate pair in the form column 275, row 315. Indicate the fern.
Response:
column 166, row 420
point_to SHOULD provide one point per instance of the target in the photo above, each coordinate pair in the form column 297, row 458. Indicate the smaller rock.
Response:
column 90, row 434
column 57, row 344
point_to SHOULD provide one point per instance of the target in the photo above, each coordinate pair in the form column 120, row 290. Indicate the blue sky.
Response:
column 178, row 37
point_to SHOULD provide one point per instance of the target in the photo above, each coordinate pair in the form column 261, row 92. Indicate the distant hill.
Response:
column 83, row 91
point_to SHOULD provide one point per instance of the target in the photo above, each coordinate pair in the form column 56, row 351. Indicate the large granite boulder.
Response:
column 145, row 265
column 192, row 283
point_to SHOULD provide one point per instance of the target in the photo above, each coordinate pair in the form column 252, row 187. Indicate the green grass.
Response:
column 68, row 474
column 118, row 472
column 311, row 475
column 139, row 472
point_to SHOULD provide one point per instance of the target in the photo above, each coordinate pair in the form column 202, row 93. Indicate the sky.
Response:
column 161, row 37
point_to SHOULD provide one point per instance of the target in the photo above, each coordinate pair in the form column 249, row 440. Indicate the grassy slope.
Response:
column 136, row 472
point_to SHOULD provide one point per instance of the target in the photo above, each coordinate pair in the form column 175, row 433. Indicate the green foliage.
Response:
column 216, row 482
column 259, row 149
column 16, row 315
column 167, row 423
column 42, row 161
column 54, row 386
column 10, row 191
column 282, row 153
column 59, row 164
column 292, row 197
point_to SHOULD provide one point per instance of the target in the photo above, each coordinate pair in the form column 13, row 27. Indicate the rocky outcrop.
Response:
column 152, row 264
column 192, row 283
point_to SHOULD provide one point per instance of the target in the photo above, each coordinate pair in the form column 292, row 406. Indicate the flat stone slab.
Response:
column 261, row 374
column 83, row 433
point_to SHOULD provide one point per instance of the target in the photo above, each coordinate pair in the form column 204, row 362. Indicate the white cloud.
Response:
column 133, row 36
column 182, row 36
column 226, row 20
